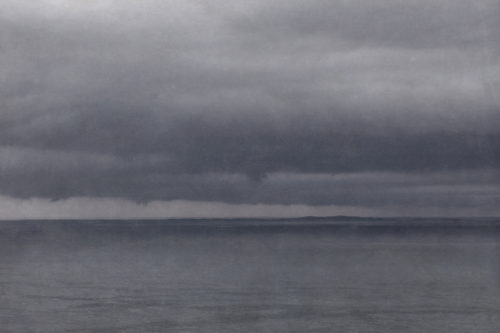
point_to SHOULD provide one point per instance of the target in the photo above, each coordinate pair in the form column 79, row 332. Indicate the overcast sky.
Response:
column 160, row 108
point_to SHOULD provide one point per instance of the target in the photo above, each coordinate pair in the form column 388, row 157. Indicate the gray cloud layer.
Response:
column 241, row 101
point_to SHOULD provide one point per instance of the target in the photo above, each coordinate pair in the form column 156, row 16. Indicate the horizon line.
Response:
column 270, row 218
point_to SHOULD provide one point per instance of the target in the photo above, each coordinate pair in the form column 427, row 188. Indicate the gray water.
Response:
column 249, row 276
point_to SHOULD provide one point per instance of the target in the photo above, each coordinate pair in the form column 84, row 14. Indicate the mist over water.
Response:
column 250, row 276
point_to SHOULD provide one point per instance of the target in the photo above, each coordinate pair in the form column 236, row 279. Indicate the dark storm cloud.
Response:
column 164, row 100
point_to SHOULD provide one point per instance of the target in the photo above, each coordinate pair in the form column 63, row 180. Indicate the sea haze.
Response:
column 247, row 275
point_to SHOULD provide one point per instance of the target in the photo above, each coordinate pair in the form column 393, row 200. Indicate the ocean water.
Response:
column 307, row 275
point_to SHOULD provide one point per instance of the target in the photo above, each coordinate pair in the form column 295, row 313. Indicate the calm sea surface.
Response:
column 250, row 276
